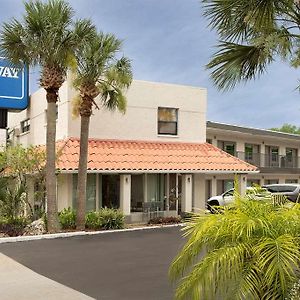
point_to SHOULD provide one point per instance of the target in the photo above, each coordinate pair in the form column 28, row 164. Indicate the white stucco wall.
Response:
column 138, row 123
column 36, row 113
column 140, row 120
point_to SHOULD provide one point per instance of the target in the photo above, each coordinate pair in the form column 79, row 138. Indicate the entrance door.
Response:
column 111, row 191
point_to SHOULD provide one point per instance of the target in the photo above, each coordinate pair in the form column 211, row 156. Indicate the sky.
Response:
column 169, row 41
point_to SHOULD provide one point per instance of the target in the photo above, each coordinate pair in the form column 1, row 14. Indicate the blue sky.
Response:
column 168, row 41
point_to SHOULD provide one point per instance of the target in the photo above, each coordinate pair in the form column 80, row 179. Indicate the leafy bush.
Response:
column 13, row 227
column 12, row 199
column 165, row 220
column 111, row 218
column 93, row 220
column 105, row 218
column 67, row 218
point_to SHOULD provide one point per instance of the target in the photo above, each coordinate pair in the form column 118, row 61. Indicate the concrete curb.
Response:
column 78, row 233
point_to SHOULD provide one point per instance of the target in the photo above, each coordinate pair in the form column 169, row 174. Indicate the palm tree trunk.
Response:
column 85, row 114
column 52, row 217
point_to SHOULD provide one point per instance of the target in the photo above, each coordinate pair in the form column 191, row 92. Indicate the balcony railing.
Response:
column 269, row 160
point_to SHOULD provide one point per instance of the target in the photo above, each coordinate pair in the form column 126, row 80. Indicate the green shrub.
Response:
column 13, row 227
column 111, row 218
column 165, row 220
column 93, row 220
column 67, row 218
column 105, row 218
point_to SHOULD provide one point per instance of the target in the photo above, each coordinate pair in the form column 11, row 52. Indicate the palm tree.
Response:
column 46, row 37
column 99, row 73
column 250, row 252
column 252, row 34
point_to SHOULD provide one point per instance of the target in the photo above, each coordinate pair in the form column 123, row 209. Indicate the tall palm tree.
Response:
column 252, row 34
column 99, row 73
column 250, row 252
column 46, row 37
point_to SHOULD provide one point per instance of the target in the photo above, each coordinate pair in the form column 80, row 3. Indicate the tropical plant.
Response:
column 251, row 251
column 18, row 164
column 67, row 218
column 99, row 73
column 12, row 200
column 253, row 34
column 105, row 218
column 46, row 37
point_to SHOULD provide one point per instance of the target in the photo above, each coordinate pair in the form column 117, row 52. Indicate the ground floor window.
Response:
column 155, row 192
column 90, row 191
column 253, row 182
column 224, row 185
column 291, row 181
column 271, row 181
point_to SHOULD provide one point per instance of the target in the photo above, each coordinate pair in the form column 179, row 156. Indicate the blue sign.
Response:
column 13, row 86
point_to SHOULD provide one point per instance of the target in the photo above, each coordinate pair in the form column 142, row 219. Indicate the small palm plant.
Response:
column 99, row 73
column 250, row 251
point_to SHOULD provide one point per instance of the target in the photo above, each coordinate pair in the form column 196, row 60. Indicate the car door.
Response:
column 228, row 197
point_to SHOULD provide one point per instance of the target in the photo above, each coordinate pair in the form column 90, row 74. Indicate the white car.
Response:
column 227, row 197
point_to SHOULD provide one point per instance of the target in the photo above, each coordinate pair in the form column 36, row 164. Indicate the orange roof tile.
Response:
column 137, row 156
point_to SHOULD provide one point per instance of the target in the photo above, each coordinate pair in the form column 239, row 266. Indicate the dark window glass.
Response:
column 167, row 121
column 25, row 125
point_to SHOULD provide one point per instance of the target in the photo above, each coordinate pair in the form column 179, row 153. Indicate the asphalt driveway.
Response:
column 122, row 265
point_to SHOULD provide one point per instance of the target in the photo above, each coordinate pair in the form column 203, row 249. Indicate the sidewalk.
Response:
column 20, row 283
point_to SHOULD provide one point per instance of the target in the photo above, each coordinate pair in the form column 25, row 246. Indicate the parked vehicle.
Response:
column 227, row 197
column 290, row 190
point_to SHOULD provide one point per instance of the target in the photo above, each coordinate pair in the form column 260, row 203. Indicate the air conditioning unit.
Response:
column 17, row 132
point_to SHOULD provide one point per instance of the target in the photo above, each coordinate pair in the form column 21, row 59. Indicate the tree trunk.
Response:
column 85, row 113
column 52, row 216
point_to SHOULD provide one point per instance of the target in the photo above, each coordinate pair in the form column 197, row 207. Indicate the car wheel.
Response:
column 212, row 206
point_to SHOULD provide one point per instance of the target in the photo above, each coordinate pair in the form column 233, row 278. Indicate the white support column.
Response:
column 187, row 192
column 125, row 193
column 262, row 155
column 242, row 184
column 167, row 193
column 214, row 186
column 199, row 193
column 240, row 150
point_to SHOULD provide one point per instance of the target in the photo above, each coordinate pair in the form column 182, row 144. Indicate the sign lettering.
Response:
column 13, row 86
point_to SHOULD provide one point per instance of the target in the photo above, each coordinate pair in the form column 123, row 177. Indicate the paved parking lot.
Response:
column 121, row 265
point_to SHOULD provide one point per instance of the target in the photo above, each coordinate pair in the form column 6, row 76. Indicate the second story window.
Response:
column 167, row 121
column 25, row 125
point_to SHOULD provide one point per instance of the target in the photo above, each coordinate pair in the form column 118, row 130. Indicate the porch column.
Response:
column 199, row 193
column 242, row 183
column 187, row 192
column 214, row 186
column 262, row 155
column 125, row 193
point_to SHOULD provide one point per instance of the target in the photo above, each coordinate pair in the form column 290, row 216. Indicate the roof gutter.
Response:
column 160, row 172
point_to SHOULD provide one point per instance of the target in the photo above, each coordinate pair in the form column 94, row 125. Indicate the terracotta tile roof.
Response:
column 133, row 156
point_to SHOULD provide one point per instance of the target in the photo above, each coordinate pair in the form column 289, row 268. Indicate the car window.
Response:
column 228, row 193
column 281, row 188
column 286, row 188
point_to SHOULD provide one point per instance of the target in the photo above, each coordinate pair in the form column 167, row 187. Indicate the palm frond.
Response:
column 234, row 63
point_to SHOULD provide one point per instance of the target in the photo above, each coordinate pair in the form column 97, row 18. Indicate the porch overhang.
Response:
column 137, row 157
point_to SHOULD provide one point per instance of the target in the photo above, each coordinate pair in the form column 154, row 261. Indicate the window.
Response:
column 25, row 125
column 228, row 147
column 167, row 121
